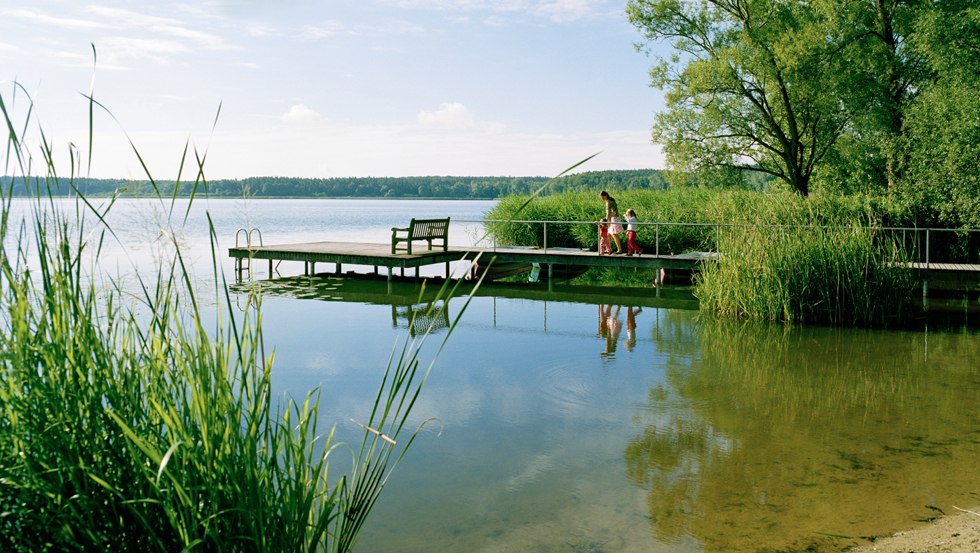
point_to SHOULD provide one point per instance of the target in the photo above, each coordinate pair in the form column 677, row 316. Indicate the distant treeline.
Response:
column 352, row 187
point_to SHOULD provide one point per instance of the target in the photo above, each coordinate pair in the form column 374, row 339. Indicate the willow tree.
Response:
column 746, row 87
column 879, row 78
column 943, row 121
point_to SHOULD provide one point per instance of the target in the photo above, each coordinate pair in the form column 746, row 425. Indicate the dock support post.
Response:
column 270, row 268
column 390, row 271
column 550, row 275
column 339, row 269
column 925, row 287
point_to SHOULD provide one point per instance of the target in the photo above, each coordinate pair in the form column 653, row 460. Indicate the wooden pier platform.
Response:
column 379, row 255
column 938, row 276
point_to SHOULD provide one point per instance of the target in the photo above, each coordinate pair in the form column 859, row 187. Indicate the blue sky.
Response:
column 336, row 88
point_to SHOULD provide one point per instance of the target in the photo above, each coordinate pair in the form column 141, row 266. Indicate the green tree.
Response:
column 746, row 88
column 876, row 77
column 942, row 182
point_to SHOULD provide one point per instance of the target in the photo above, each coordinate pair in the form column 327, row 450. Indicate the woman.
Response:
column 615, row 222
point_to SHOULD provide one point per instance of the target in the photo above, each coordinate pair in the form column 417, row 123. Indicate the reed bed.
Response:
column 816, row 260
column 690, row 206
column 135, row 425
column 840, row 275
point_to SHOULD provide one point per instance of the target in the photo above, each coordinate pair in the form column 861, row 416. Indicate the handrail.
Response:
column 245, row 264
column 679, row 223
column 719, row 226
column 257, row 231
column 248, row 236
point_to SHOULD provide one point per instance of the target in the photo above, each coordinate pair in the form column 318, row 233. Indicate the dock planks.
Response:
column 379, row 255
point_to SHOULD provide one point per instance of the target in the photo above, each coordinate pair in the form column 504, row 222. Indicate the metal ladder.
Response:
column 245, row 264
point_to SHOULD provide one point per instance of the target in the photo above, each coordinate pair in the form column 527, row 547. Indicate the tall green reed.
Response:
column 824, row 259
column 846, row 275
column 136, row 425
column 693, row 206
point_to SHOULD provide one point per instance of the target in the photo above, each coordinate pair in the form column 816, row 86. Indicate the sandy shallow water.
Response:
column 956, row 533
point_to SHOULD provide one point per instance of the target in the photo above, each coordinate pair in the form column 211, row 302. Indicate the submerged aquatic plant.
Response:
column 137, row 425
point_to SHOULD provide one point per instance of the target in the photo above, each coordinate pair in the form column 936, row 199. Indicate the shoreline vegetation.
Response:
column 419, row 187
column 824, row 259
column 137, row 416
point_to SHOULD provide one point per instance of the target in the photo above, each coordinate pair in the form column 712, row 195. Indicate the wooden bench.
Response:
column 430, row 230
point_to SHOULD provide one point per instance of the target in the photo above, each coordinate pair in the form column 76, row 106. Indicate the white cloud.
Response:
column 495, row 21
column 4, row 47
column 115, row 51
column 556, row 10
column 566, row 10
column 75, row 58
column 325, row 29
column 450, row 115
column 259, row 31
column 300, row 113
column 129, row 18
column 207, row 40
column 64, row 22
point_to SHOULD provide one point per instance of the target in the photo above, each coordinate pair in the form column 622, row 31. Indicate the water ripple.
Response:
column 567, row 389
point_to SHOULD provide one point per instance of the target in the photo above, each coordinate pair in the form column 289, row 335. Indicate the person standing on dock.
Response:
column 615, row 222
column 631, row 246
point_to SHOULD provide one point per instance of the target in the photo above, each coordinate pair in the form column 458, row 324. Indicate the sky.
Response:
column 331, row 88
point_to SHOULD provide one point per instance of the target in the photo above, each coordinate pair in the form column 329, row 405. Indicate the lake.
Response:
column 601, row 419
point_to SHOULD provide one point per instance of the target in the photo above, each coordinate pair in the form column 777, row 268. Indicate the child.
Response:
column 604, row 247
column 631, row 246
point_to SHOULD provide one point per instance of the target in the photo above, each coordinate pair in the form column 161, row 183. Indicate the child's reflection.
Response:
column 631, row 326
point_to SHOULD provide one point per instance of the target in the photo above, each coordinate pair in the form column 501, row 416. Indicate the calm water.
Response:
column 599, row 421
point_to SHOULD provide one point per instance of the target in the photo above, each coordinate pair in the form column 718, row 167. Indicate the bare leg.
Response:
column 619, row 247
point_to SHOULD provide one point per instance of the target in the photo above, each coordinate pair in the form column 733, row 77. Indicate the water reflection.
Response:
column 560, row 432
column 766, row 438
column 609, row 327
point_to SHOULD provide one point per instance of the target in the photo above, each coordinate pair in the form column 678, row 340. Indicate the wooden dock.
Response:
column 938, row 275
column 379, row 255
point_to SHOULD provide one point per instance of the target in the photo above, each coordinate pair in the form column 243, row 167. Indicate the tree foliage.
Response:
column 876, row 76
column 943, row 123
column 742, row 90
column 871, row 96
column 358, row 187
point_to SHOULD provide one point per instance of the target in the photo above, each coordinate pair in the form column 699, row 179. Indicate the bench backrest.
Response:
column 428, row 228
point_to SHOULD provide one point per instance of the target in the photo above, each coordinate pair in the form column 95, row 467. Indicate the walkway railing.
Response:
column 927, row 246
